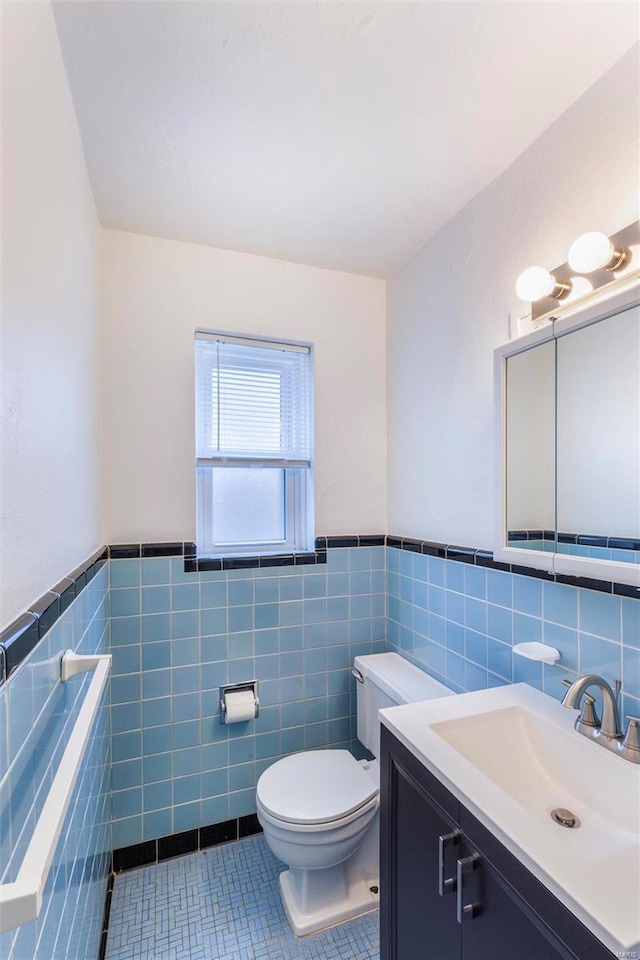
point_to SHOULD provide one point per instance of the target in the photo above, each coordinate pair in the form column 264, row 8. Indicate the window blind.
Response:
column 252, row 402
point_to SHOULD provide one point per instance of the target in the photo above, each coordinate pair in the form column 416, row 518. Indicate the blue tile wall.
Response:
column 460, row 622
column 37, row 713
column 176, row 637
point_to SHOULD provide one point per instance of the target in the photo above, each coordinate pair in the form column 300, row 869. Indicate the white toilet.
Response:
column 319, row 808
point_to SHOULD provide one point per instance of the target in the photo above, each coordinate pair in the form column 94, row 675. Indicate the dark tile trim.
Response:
column 583, row 539
column 462, row 554
column 626, row 590
column 178, row 844
column 283, row 560
column 20, row 637
column 248, row 826
column 531, row 572
column 194, row 564
column 303, row 559
column 137, row 855
column 603, row 586
column 66, row 590
column 124, row 551
column 105, row 917
column 622, row 543
column 484, row 558
column 445, row 551
column 191, row 565
column 342, row 541
column 190, row 841
column 409, row 543
column 18, row 640
column 46, row 610
column 173, row 549
column 217, row 833
column 432, row 549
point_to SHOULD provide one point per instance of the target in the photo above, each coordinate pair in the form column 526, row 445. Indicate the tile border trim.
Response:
column 580, row 539
column 104, row 933
column 19, row 638
column 153, row 852
column 446, row 551
column 195, row 564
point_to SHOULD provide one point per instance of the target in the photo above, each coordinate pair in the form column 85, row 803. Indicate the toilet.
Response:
column 319, row 808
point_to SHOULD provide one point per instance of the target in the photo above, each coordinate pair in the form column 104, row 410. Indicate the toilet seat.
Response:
column 316, row 787
column 312, row 829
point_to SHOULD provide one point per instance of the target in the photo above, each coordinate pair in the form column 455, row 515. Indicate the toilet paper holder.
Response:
column 226, row 688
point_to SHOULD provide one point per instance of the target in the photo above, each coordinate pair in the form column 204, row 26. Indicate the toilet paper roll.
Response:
column 240, row 705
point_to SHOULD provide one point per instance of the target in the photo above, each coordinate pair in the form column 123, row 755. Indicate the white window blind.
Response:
column 253, row 402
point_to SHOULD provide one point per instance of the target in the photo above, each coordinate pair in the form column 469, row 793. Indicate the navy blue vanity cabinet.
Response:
column 449, row 890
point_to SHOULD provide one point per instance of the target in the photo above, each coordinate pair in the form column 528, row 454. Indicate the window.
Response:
column 254, row 425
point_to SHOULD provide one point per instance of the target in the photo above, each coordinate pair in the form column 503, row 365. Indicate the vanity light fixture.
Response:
column 595, row 251
column 536, row 283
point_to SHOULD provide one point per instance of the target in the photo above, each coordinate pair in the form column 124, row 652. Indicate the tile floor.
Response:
column 221, row 904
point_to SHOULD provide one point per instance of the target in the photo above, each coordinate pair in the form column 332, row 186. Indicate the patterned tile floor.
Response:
column 221, row 904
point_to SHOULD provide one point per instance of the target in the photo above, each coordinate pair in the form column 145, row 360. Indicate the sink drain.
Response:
column 565, row 818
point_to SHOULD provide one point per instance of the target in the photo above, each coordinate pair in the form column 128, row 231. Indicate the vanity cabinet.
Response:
column 449, row 890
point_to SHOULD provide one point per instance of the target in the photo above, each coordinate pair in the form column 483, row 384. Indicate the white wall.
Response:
column 50, row 422
column 449, row 307
column 156, row 292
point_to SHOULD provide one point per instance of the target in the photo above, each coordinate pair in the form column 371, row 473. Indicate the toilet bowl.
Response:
column 316, row 809
column 319, row 809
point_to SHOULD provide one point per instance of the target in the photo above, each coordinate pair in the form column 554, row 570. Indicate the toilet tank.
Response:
column 389, row 680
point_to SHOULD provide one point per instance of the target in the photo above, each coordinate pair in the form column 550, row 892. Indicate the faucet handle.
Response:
column 632, row 736
column 588, row 716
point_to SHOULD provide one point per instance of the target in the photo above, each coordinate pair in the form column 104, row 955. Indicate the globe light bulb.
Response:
column 594, row 251
column 536, row 283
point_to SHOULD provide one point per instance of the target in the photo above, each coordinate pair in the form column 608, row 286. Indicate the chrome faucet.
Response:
column 607, row 733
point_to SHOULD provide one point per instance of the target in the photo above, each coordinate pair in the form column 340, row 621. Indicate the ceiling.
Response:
column 337, row 134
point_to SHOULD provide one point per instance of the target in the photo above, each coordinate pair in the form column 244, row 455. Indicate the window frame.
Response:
column 298, row 477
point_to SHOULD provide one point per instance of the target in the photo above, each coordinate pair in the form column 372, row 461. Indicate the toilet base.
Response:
column 346, row 902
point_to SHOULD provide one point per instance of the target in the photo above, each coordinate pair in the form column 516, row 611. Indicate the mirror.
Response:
column 569, row 435
column 598, row 438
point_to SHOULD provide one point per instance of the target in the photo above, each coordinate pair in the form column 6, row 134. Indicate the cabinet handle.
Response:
column 446, row 884
column 463, row 866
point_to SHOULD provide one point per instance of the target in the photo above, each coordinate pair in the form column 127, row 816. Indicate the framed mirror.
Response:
column 568, row 441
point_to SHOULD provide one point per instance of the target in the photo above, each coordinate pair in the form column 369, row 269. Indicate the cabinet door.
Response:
column 495, row 925
column 417, row 923
column 517, row 916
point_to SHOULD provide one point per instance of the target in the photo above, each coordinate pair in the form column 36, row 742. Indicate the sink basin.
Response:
column 538, row 765
column 512, row 756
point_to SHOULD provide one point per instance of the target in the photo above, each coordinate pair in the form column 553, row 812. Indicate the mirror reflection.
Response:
column 573, row 416
column 530, row 448
column 598, row 431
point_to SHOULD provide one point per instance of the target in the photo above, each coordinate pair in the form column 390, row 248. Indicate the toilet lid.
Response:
column 316, row 786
